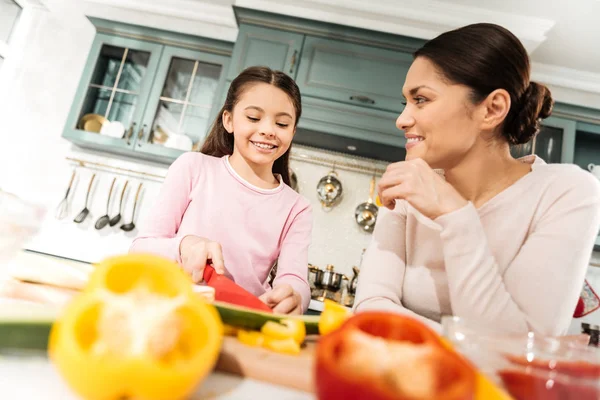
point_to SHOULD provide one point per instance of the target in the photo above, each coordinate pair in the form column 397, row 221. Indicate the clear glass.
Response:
column 182, row 117
column 549, row 367
column 114, row 89
column 9, row 15
column 19, row 221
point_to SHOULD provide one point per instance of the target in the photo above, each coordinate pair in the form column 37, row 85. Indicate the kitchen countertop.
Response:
column 36, row 378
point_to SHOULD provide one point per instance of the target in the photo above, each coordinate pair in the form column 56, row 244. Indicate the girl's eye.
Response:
column 252, row 119
column 282, row 125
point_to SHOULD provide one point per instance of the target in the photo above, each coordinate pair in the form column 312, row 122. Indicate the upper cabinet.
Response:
column 554, row 143
column 350, row 79
column 257, row 45
column 147, row 94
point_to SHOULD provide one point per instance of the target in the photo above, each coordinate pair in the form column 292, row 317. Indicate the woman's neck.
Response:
column 257, row 175
column 486, row 172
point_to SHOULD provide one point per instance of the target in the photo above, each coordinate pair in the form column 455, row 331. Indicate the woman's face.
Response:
column 438, row 120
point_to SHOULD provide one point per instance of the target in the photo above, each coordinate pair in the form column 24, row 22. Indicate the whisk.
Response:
column 62, row 210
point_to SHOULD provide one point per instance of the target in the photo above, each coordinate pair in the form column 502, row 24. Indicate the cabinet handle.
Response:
column 363, row 99
column 129, row 133
column 293, row 63
column 141, row 135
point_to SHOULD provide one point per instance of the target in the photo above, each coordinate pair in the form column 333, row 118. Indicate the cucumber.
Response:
column 25, row 327
column 245, row 318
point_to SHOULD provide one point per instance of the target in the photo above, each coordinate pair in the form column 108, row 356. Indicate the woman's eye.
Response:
column 420, row 100
column 403, row 103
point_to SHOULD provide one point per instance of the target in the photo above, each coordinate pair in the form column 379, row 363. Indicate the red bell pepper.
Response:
column 385, row 356
column 228, row 291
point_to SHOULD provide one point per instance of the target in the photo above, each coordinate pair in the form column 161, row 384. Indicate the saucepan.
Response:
column 366, row 212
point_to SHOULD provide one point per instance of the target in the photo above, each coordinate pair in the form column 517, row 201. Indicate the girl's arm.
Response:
column 292, row 264
column 158, row 233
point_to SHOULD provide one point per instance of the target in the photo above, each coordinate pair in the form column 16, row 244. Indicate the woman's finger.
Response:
column 215, row 253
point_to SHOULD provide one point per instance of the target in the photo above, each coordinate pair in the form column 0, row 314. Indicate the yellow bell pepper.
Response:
column 251, row 338
column 288, row 328
column 136, row 331
column 285, row 346
column 332, row 317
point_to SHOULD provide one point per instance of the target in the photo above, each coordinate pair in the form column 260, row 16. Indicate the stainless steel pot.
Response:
column 315, row 276
column 332, row 280
column 329, row 190
column 366, row 213
column 354, row 281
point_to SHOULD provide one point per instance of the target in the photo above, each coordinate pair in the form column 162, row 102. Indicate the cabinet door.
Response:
column 555, row 143
column 269, row 47
column 183, row 102
column 112, row 93
column 353, row 74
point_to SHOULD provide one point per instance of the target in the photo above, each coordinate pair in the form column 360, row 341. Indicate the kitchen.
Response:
column 50, row 49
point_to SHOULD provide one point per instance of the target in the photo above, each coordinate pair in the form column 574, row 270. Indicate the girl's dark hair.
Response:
column 486, row 57
column 219, row 142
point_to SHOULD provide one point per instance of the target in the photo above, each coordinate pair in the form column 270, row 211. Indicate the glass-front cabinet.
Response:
column 145, row 99
column 554, row 143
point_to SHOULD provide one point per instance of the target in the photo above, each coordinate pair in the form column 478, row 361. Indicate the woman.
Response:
column 232, row 204
column 487, row 237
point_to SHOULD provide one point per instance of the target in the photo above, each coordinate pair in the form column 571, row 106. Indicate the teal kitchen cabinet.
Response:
column 114, row 87
column 146, row 93
column 352, row 73
column 257, row 45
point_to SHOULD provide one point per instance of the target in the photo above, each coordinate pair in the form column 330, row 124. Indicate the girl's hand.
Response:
column 195, row 252
column 283, row 300
column 415, row 182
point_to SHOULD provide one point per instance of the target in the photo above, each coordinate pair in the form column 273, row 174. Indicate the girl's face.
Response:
column 263, row 124
column 439, row 121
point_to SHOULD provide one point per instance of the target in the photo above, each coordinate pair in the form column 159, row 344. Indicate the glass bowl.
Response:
column 529, row 366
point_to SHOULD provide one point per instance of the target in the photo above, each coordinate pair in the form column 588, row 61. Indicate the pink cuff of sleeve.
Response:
column 299, row 285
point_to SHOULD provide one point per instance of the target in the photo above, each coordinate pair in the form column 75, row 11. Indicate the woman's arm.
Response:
column 382, row 271
column 539, row 290
column 158, row 232
column 292, row 264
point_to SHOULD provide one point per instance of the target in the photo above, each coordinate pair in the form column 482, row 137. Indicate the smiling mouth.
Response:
column 264, row 146
column 414, row 139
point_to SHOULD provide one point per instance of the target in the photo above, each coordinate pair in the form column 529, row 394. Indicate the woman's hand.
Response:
column 283, row 300
column 415, row 182
column 195, row 252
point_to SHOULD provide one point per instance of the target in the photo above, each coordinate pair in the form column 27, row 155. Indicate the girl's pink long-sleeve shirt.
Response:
column 203, row 196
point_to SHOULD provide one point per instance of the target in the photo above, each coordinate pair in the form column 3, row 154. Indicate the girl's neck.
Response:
column 258, row 175
column 482, row 175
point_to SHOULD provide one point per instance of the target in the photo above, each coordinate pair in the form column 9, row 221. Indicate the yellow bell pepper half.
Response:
column 136, row 331
column 332, row 317
column 287, row 328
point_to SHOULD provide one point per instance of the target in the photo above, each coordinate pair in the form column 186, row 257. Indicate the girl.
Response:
column 499, row 241
column 231, row 203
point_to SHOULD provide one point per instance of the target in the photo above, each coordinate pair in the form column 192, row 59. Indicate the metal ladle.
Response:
column 131, row 226
column 105, row 219
column 62, row 210
column 115, row 220
column 84, row 213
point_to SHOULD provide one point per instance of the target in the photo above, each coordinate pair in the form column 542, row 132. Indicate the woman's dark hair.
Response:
column 486, row 57
column 219, row 142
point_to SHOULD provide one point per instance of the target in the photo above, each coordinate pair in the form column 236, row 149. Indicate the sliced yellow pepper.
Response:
column 332, row 317
column 136, row 331
column 230, row 330
column 285, row 346
column 251, row 338
column 287, row 328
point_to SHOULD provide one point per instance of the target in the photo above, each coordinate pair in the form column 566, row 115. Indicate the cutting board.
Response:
column 293, row 371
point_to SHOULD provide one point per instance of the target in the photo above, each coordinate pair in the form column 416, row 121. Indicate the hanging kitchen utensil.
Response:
column 228, row 291
column 105, row 219
column 293, row 180
column 366, row 213
column 62, row 210
column 84, row 213
column 329, row 190
column 115, row 220
column 131, row 226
